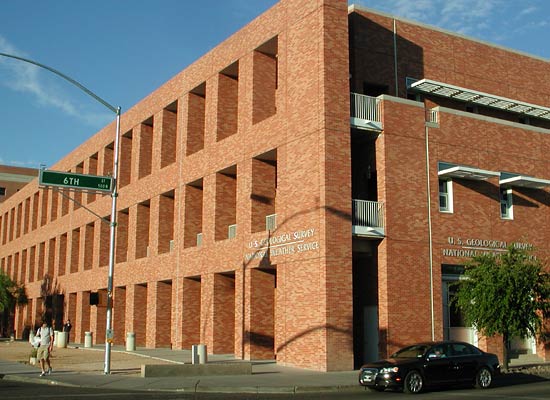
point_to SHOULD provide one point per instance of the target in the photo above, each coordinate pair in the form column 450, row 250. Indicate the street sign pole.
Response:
column 114, row 195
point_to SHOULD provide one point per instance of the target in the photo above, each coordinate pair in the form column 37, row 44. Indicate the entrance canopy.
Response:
column 508, row 180
column 448, row 170
column 473, row 96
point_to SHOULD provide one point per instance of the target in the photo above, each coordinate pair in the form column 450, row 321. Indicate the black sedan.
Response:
column 415, row 367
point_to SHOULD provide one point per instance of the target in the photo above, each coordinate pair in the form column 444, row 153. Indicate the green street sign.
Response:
column 75, row 181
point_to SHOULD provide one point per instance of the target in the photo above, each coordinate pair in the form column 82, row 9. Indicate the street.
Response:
column 19, row 390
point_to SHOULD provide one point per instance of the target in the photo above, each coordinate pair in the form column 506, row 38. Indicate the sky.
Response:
column 123, row 50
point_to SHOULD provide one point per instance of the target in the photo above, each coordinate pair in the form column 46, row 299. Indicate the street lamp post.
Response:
column 114, row 195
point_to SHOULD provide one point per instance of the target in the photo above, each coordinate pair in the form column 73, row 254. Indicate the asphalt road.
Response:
column 18, row 391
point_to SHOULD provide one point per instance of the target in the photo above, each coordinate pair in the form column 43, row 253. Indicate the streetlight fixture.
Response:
column 114, row 195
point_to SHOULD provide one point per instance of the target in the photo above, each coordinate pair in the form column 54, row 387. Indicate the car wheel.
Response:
column 484, row 378
column 413, row 383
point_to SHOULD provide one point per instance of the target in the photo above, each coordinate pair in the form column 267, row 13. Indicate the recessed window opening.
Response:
column 228, row 101
column 196, row 119
column 265, row 80
column 193, row 213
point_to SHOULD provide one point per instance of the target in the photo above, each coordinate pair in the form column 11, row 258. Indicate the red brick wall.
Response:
column 190, row 313
column 193, row 215
column 142, row 213
column 119, row 315
column 89, row 243
column 168, row 123
column 310, row 132
column 98, row 315
column 90, row 168
column 32, row 263
column 126, row 159
column 159, row 314
column 82, row 320
column 74, row 251
column 227, row 106
column 264, row 86
column 104, row 240
column 195, row 111
column 218, row 313
column 449, row 58
column 144, row 142
column 165, row 232
column 264, row 182
column 62, row 255
column 226, row 203
column 41, row 255
column 312, row 311
column 259, row 308
column 136, row 312
column 464, row 139
column 121, row 251
column 70, row 313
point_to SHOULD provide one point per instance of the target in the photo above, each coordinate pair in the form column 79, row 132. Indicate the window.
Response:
column 445, row 196
column 506, row 204
column 2, row 191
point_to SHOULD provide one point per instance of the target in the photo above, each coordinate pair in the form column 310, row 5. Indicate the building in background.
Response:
column 14, row 178
column 306, row 191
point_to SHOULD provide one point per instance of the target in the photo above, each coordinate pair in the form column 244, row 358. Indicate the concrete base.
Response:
column 240, row 368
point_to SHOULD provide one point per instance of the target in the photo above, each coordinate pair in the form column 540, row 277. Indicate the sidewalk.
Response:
column 84, row 368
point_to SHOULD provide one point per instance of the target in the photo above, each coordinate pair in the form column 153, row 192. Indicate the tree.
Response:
column 11, row 294
column 506, row 294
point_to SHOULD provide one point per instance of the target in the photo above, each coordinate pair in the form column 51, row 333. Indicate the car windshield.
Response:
column 415, row 351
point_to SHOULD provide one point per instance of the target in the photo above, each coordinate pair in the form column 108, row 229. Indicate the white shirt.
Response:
column 45, row 336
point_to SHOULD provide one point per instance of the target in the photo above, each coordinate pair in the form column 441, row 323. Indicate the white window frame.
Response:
column 448, row 194
column 505, row 200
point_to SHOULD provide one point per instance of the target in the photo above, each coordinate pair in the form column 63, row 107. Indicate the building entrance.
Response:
column 365, row 302
column 454, row 327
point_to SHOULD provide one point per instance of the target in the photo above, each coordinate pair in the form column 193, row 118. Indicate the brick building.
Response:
column 305, row 191
column 14, row 178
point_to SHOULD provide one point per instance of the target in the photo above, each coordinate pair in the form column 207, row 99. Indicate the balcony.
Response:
column 365, row 112
column 368, row 218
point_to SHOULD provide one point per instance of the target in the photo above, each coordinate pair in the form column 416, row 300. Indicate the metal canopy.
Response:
column 509, row 180
column 475, row 97
column 448, row 170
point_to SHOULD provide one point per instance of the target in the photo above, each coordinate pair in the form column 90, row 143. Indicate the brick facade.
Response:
column 260, row 127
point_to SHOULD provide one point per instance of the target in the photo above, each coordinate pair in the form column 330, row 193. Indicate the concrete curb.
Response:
column 204, row 389
column 38, row 381
column 277, row 389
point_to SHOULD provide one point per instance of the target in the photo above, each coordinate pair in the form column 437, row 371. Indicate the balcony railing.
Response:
column 365, row 112
column 368, row 218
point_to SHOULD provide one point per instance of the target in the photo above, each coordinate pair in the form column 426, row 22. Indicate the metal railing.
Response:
column 365, row 107
column 368, row 213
